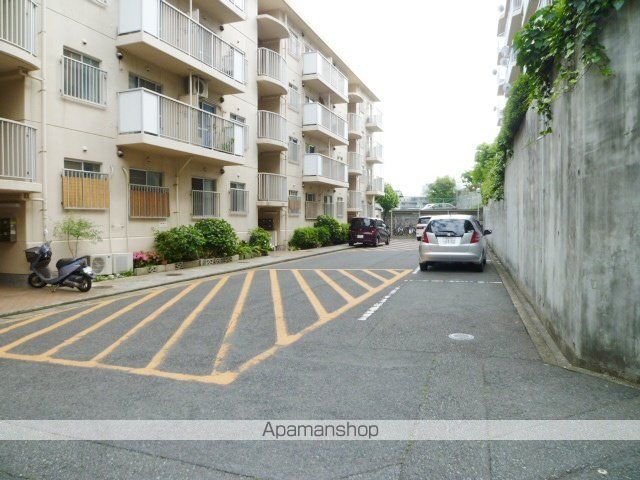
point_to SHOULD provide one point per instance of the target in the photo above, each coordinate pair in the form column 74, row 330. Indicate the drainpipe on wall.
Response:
column 128, row 208
column 179, row 172
column 43, row 115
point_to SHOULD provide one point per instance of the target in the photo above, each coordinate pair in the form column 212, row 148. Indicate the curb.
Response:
column 312, row 253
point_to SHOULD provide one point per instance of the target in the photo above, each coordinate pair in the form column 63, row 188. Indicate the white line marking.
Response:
column 456, row 281
column 374, row 308
column 415, row 272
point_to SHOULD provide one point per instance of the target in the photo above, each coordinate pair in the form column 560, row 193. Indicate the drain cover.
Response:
column 463, row 337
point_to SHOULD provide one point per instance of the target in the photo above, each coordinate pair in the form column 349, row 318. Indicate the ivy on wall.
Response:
column 554, row 49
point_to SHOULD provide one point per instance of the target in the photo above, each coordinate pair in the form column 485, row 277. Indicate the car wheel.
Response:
column 388, row 241
column 36, row 282
column 351, row 244
column 480, row 267
column 424, row 266
column 377, row 244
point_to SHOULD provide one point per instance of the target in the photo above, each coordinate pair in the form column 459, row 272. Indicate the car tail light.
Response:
column 425, row 237
column 475, row 238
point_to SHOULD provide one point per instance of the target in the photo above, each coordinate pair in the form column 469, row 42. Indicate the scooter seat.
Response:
column 63, row 262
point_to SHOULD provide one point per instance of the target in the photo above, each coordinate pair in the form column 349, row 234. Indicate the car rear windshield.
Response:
column 424, row 220
column 451, row 226
column 361, row 223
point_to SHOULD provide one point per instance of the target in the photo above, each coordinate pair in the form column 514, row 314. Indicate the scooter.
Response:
column 71, row 273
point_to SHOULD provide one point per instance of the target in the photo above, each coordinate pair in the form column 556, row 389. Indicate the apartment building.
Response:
column 513, row 16
column 142, row 115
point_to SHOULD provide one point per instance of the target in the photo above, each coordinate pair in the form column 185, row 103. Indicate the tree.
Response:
column 443, row 190
column 474, row 178
column 75, row 229
column 389, row 200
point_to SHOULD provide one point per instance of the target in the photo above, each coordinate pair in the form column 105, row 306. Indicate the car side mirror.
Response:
column 487, row 232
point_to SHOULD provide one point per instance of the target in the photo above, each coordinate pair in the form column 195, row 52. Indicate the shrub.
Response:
column 331, row 224
column 244, row 250
column 344, row 233
column 260, row 241
column 220, row 239
column 305, row 238
column 145, row 259
column 75, row 229
column 325, row 236
column 180, row 244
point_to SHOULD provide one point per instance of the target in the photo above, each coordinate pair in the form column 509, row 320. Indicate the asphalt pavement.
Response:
column 357, row 334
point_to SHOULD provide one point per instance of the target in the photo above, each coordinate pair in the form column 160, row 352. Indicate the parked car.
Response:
column 453, row 239
column 422, row 224
column 368, row 231
column 439, row 206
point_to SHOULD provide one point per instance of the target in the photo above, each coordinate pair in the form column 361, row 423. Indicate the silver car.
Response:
column 422, row 224
column 453, row 239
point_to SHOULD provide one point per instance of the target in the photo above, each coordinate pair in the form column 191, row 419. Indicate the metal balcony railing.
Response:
column 355, row 200
column 272, row 126
column 85, row 190
column 314, row 63
column 205, row 204
column 17, row 151
column 148, row 202
column 356, row 123
column 272, row 187
column 323, row 166
column 144, row 111
column 376, row 185
column 18, row 24
column 356, row 162
column 315, row 114
column 177, row 29
column 83, row 82
column 271, row 64
column 375, row 119
column 238, row 200
column 375, row 151
column 314, row 209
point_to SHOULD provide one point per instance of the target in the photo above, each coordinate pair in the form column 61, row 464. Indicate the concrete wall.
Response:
column 569, row 226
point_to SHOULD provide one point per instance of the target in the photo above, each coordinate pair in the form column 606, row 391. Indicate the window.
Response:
column 138, row 82
column 146, row 178
column 237, row 118
column 205, row 199
column 83, row 186
column 310, row 148
column 294, row 98
column 294, row 45
column 147, row 197
column 294, row 151
column 450, row 227
column 83, row 79
column 239, row 198
column 295, row 205
column 310, row 197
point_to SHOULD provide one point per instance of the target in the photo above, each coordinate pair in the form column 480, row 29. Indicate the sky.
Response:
column 431, row 63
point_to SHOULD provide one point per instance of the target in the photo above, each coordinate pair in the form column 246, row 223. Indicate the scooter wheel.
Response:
column 85, row 285
column 36, row 282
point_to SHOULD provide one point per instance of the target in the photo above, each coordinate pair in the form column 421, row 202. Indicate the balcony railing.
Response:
column 313, row 210
column 295, row 205
column 148, row 202
column 239, row 4
column 376, row 185
column 340, row 209
column 205, row 204
column 374, row 120
column 356, row 123
column 144, row 111
column 272, row 126
column 322, row 166
column 238, row 200
column 271, row 64
column 317, row 114
column 83, row 82
column 85, row 190
column 177, row 29
column 355, row 200
column 356, row 163
column 18, row 24
column 272, row 187
column 375, row 151
column 314, row 63
column 17, row 151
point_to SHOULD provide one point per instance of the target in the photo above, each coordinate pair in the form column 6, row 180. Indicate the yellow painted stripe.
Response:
column 101, row 323
column 59, row 324
column 344, row 294
column 352, row 277
column 145, row 322
column 375, row 275
column 233, row 323
column 27, row 322
column 162, row 353
column 317, row 306
column 281, row 326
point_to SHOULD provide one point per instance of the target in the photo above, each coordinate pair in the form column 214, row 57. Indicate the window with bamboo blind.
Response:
column 84, row 187
column 147, row 197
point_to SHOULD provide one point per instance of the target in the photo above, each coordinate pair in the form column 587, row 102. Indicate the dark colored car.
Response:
column 368, row 231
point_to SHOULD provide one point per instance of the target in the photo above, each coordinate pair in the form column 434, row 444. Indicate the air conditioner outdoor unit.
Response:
column 122, row 262
column 199, row 86
column 101, row 264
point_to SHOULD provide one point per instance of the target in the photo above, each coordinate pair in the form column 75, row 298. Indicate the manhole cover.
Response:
column 462, row 337
column 175, row 274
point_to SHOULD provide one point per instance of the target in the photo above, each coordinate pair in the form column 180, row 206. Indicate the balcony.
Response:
column 272, row 73
column 159, row 33
column 18, row 153
column 312, row 210
column 320, row 122
column 374, row 122
column 148, row 202
column 272, row 132
column 270, row 28
column 375, row 153
column 356, row 95
column 356, row 126
column 515, row 14
column 355, row 203
column 272, row 190
column 322, row 170
column 18, row 35
column 356, row 163
column 319, row 74
column 227, row 11
column 154, row 123
column 205, row 204
column 84, row 83
column 375, row 187
column 85, row 190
